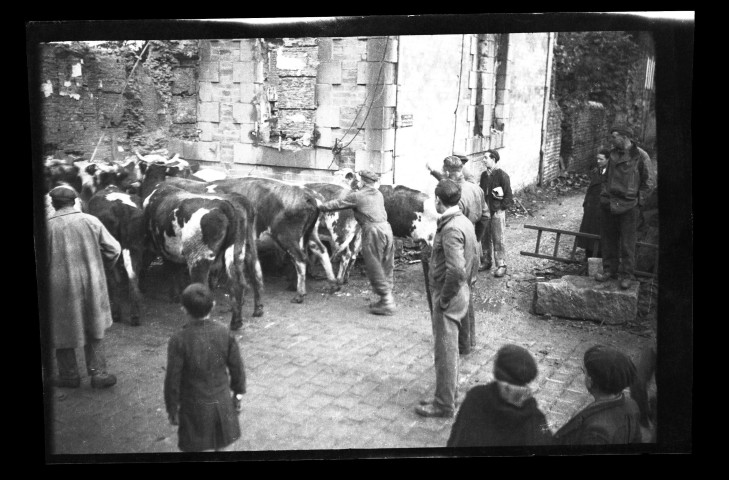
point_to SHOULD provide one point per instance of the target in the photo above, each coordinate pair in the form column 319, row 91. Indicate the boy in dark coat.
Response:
column 612, row 418
column 204, row 365
column 591, row 205
column 502, row 412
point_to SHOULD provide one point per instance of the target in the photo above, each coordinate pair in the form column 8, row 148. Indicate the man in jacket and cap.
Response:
column 378, row 248
column 502, row 412
column 453, row 263
column 612, row 418
column 627, row 183
column 79, row 247
column 473, row 205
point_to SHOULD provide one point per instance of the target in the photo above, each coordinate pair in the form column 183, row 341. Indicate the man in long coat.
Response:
column 79, row 247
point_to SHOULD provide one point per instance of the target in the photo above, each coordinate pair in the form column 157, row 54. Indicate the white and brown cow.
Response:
column 290, row 215
column 339, row 229
column 200, row 230
column 411, row 213
column 122, row 214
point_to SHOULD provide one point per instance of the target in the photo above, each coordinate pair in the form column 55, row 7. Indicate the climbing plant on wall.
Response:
column 595, row 66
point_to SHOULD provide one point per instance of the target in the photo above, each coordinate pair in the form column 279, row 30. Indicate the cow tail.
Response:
column 311, row 230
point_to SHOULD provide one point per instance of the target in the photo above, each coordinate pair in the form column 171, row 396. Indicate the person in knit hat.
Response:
column 502, row 412
column 612, row 418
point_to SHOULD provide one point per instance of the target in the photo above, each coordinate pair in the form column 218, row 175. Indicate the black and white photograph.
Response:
column 363, row 237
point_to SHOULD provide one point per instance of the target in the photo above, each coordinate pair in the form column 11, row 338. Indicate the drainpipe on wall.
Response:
column 394, row 120
column 551, row 38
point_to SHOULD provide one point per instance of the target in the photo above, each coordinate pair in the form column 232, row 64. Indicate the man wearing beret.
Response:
column 503, row 412
column 612, row 418
column 79, row 247
column 453, row 263
column 473, row 205
column 467, row 175
column 627, row 183
column 378, row 248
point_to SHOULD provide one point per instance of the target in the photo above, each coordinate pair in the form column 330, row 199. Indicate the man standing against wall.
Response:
column 626, row 185
column 454, row 262
column 496, row 187
column 378, row 248
column 79, row 247
column 473, row 205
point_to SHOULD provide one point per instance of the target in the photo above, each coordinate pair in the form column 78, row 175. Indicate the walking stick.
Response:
column 425, row 261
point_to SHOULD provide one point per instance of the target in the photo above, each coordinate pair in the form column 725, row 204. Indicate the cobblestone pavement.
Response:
column 326, row 374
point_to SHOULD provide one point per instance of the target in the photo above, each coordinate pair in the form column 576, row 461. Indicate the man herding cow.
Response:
column 378, row 248
column 79, row 246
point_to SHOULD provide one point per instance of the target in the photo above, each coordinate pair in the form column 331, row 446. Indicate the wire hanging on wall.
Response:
column 338, row 147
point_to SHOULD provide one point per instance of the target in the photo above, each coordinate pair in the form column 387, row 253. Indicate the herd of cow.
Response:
column 158, row 208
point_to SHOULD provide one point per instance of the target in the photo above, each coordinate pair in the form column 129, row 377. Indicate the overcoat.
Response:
column 487, row 420
column 79, row 246
column 612, row 422
column 204, row 366
column 591, row 209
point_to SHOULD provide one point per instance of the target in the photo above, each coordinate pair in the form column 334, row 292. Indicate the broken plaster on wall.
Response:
column 47, row 88
column 76, row 69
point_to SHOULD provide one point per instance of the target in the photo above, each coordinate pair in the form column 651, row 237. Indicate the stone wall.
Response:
column 589, row 134
column 85, row 101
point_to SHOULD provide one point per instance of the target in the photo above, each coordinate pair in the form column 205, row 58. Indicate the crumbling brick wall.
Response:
column 589, row 134
column 553, row 142
column 84, row 98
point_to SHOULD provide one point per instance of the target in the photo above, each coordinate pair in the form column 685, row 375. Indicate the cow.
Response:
column 411, row 213
column 290, row 215
column 122, row 214
column 66, row 172
column 340, row 229
column 199, row 231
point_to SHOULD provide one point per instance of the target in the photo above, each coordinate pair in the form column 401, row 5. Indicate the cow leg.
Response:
column 235, row 270
column 300, row 280
column 132, row 263
column 323, row 256
column 113, row 281
column 255, row 276
column 174, row 272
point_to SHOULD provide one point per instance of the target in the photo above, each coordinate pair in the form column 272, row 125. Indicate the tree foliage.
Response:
column 595, row 66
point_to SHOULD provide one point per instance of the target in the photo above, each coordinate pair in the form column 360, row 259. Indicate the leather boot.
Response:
column 386, row 305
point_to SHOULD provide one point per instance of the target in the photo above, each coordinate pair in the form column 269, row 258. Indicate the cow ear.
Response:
column 142, row 166
column 91, row 168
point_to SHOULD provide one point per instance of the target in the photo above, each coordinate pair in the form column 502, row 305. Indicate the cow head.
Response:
column 62, row 172
column 126, row 175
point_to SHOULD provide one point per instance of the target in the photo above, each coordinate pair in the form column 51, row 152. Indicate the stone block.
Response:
column 380, row 73
column 380, row 162
column 247, row 72
column 382, row 117
column 209, row 71
column 245, row 153
column 245, row 132
column 582, row 298
column 209, row 112
column 325, row 49
column 206, row 92
column 327, row 117
column 384, row 96
column 323, row 94
column 376, row 49
column 206, row 151
column 247, row 49
column 380, row 140
column 472, row 79
column 329, row 72
column 244, row 113
column 594, row 266
column 206, row 131
column 326, row 137
column 248, row 91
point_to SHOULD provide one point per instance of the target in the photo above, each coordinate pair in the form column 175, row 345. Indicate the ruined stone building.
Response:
column 300, row 109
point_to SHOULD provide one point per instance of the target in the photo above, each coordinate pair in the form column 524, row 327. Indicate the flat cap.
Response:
column 610, row 369
column 623, row 130
column 515, row 365
column 63, row 192
column 369, row 175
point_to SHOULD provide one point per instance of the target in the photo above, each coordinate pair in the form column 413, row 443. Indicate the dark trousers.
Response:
column 617, row 241
column 95, row 359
